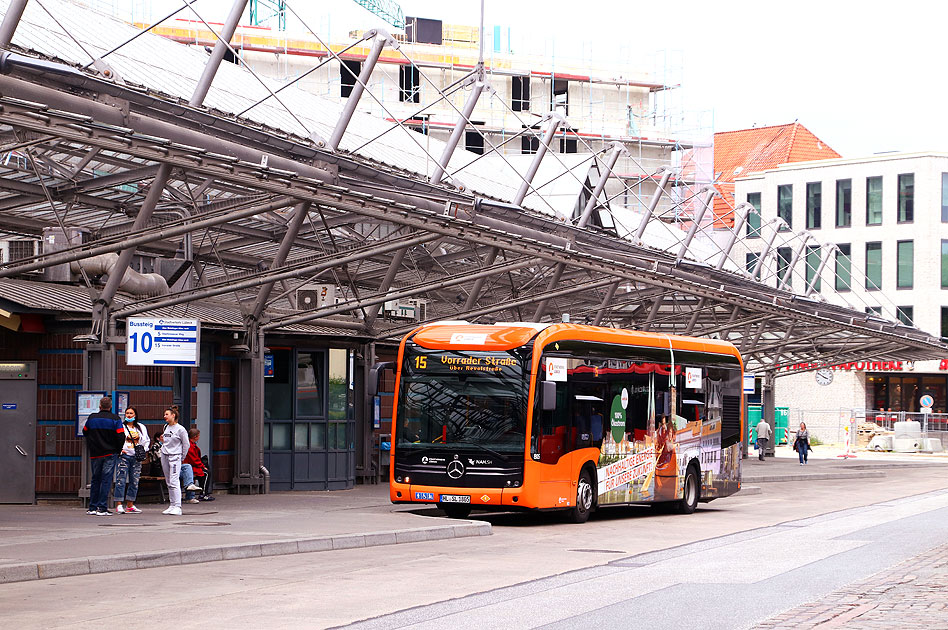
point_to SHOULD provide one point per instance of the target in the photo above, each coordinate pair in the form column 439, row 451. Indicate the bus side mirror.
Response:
column 548, row 393
column 375, row 373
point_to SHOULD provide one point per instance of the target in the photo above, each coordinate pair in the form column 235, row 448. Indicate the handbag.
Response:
column 140, row 453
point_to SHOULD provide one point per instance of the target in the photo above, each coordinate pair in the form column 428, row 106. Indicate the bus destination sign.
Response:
column 462, row 363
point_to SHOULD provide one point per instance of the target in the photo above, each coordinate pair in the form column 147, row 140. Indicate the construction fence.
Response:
column 829, row 426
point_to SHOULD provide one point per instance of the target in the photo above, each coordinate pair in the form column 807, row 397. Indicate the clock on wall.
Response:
column 824, row 376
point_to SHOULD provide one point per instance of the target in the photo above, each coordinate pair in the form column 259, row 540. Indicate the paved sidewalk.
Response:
column 910, row 595
column 45, row 541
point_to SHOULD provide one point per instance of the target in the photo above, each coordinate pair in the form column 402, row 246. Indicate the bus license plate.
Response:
column 455, row 498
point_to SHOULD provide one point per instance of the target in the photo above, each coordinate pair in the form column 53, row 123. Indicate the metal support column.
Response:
column 606, row 300
column 217, row 55
column 768, row 409
column 460, row 125
column 617, row 149
column 381, row 38
column 741, row 219
column 555, row 280
column 373, row 313
column 248, row 461
column 10, row 21
column 696, row 223
column 767, row 247
column 292, row 231
column 552, row 127
column 811, row 287
column 798, row 252
column 652, row 204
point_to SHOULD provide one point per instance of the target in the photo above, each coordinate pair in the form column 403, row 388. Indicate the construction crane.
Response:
column 389, row 11
column 262, row 10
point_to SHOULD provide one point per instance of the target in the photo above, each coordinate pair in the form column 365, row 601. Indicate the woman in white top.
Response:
column 129, row 468
column 174, row 447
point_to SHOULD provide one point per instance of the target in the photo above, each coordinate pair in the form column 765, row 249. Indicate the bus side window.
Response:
column 550, row 428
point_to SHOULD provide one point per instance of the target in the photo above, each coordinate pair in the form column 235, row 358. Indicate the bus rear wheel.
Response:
column 690, row 492
column 584, row 500
column 455, row 510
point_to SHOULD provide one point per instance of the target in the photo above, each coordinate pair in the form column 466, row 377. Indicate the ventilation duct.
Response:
column 134, row 282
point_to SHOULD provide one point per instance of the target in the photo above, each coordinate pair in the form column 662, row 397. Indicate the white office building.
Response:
column 876, row 230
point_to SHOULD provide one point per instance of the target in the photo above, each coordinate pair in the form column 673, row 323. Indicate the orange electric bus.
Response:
column 523, row 416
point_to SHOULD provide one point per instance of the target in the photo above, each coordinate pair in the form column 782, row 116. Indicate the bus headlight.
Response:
column 398, row 479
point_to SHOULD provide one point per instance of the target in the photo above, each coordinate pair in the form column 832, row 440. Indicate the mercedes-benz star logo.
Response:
column 455, row 469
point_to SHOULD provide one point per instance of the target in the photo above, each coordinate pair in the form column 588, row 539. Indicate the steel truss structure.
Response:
column 253, row 212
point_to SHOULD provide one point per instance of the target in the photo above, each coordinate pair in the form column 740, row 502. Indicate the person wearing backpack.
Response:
column 130, row 461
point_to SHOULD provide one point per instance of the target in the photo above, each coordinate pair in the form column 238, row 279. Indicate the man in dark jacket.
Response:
column 104, row 436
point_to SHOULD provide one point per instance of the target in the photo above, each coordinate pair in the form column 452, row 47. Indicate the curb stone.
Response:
column 47, row 569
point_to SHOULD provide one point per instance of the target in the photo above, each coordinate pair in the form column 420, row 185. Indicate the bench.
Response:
column 161, row 484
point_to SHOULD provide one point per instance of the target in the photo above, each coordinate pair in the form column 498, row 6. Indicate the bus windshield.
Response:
column 463, row 399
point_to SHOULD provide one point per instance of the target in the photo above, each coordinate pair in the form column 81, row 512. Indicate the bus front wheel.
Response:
column 690, row 492
column 584, row 499
column 456, row 510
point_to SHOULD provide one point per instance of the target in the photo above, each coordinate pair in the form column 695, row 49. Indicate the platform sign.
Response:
column 749, row 384
column 159, row 341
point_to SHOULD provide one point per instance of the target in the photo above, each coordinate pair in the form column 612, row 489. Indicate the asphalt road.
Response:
column 734, row 563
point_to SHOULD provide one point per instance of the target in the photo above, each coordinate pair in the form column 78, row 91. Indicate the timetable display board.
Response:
column 159, row 341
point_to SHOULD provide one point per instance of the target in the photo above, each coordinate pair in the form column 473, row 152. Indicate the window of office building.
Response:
column 873, row 200
column 409, row 84
column 785, row 205
column 844, row 265
column 944, row 323
column 814, row 205
column 530, row 140
column 783, row 264
column 905, row 266
column 750, row 261
column 874, row 310
column 520, row 94
column 944, row 264
column 873, row 266
column 844, row 202
column 753, row 218
column 905, row 315
column 349, row 69
column 906, row 197
column 944, row 197
column 812, row 266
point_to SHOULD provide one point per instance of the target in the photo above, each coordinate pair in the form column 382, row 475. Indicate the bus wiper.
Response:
column 483, row 448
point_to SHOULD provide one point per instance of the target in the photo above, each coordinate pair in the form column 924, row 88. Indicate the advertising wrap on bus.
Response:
column 564, row 417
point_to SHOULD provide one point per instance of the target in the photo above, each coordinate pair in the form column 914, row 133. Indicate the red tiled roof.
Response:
column 739, row 153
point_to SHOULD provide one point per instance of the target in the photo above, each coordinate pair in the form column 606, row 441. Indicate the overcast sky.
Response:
column 864, row 76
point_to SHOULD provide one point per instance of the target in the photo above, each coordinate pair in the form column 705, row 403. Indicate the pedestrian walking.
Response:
column 764, row 432
column 130, row 460
column 174, row 447
column 104, row 436
column 802, row 444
